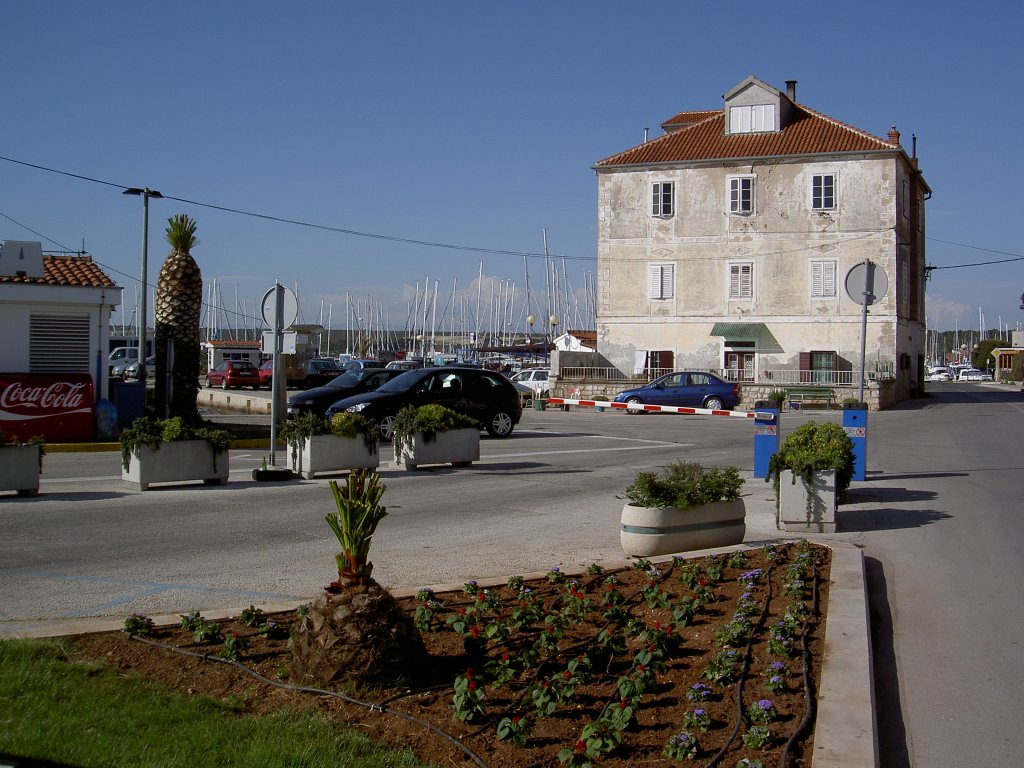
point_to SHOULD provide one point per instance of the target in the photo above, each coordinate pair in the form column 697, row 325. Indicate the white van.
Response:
column 122, row 357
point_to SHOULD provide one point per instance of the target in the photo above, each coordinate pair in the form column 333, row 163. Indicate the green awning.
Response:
column 739, row 331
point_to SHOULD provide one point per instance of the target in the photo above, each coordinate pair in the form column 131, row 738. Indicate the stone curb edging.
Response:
column 845, row 733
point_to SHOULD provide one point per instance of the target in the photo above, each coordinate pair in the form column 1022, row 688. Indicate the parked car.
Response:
column 349, row 383
column 969, row 374
column 355, row 365
column 534, row 378
column 233, row 374
column 939, row 373
column 319, row 371
column 293, row 374
column 486, row 396
column 131, row 371
column 404, row 365
column 687, row 389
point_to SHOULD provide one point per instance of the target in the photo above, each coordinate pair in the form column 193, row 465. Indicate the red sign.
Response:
column 57, row 406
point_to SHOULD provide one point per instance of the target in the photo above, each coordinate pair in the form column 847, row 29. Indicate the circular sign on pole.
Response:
column 866, row 277
column 288, row 314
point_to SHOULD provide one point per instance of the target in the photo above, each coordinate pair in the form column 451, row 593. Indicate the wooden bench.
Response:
column 801, row 396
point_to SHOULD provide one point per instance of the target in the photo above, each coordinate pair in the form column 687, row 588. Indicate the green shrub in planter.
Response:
column 685, row 485
column 815, row 446
column 304, row 426
column 151, row 432
column 428, row 419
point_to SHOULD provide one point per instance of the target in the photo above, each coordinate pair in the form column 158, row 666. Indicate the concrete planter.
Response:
column 649, row 531
column 176, row 462
column 459, row 447
column 330, row 453
column 19, row 469
column 807, row 510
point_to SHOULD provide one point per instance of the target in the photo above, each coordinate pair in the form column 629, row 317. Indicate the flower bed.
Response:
column 639, row 666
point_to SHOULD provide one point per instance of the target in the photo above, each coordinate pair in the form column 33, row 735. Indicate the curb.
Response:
column 845, row 732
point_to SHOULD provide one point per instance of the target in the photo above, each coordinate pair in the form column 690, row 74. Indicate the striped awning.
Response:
column 739, row 331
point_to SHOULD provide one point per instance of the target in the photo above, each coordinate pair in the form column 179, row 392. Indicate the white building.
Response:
column 725, row 243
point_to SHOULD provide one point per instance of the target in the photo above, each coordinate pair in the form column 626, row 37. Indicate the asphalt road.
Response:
column 938, row 520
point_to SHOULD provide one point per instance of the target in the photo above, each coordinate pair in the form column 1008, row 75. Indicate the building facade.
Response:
column 726, row 244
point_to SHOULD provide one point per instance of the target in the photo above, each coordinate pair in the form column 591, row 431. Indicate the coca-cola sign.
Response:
column 57, row 406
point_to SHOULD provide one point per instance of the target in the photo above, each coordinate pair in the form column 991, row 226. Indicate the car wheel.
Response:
column 270, row 383
column 224, row 383
column 208, row 385
column 634, row 405
column 501, row 424
column 713, row 403
column 387, row 429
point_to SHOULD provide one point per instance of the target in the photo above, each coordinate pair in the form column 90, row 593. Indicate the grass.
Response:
column 112, row 720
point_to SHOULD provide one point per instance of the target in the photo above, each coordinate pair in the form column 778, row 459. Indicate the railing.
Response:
column 771, row 376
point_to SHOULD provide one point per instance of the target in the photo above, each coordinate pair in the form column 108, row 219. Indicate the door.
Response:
column 739, row 366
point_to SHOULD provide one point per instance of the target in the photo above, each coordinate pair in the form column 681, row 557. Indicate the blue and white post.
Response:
column 855, row 423
column 766, row 435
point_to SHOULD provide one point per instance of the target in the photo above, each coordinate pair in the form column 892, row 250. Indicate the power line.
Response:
column 307, row 224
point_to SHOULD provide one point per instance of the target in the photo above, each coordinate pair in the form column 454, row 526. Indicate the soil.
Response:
column 423, row 702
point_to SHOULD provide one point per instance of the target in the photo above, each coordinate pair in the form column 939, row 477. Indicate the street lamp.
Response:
column 146, row 193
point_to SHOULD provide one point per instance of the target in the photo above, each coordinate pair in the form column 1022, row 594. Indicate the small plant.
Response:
column 685, row 485
column 812, row 447
column 139, row 625
column 296, row 431
column 722, row 668
column 699, row 692
column 737, row 559
column 682, row 746
column 188, row 621
column 468, row 701
column 516, row 583
column 206, row 632
column 757, row 737
column 777, row 396
column 272, row 630
column 554, row 575
column 515, row 729
column 594, row 570
column 233, row 646
column 697, row 718
column 762, row 711
column 358, row 512
column 252, row 616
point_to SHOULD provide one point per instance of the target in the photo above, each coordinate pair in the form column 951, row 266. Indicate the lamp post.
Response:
column 146, row 193
column 553, row 323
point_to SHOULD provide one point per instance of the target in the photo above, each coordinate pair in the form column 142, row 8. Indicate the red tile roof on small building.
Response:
column 67, row 270
column 587, row 337
column 697, row 136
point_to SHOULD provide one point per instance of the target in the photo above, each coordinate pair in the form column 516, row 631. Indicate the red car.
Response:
column 233, row 374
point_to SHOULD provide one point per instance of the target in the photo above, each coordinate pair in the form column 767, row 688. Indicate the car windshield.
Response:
column 242, row 366
column 404, row 382
column 345, row 380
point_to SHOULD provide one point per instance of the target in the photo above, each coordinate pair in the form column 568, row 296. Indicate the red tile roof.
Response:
column 67, row 270
column 587, row 337
column 696, row 136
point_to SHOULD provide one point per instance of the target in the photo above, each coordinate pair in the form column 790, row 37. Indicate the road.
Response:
column 937, row 519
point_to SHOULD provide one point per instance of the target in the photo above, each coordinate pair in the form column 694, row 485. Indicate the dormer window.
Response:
column 752, row 119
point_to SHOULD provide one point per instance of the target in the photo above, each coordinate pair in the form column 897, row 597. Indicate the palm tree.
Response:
column 179, row 295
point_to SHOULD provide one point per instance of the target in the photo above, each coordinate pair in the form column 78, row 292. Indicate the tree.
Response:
column 179, row 296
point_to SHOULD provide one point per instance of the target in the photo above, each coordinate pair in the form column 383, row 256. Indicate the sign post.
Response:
column 867, row 285
column 280, row 308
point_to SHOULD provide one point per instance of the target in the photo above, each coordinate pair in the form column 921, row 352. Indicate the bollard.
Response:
column 766, row 435
column 855, row 424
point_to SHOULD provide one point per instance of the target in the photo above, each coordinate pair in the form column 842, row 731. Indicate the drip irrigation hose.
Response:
column 809, row 698
column 743, row 674
column 321, row 692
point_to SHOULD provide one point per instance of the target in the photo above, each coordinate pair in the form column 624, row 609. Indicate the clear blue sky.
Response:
column 471, row 124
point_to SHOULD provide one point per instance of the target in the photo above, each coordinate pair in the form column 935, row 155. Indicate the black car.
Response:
column 485, row 396
column 319, row 371
column 344, row 385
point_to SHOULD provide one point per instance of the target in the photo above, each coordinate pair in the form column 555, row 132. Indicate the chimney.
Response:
column 791, row 90
column 894, row 136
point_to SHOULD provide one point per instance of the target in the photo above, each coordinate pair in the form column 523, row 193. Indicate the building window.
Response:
column 661, row 280
column 741, row 194
column 752, row 119
column 741, row 281
column 823, row 192
column 823, row 279
column 662, row 197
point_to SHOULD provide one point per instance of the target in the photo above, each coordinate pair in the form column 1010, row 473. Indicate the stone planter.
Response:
column 649, row 531
column 19, row 469
column 459, row 447
column 807, row 510
column 330, row 453
column 176, row 462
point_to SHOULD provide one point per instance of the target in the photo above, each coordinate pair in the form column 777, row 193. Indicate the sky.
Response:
column 362, row 153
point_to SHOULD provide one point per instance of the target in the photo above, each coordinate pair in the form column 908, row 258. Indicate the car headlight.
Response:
column 357, row 407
